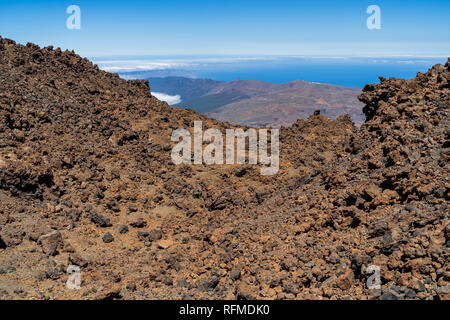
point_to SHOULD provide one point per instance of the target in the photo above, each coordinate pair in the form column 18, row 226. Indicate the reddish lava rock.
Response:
column 84, row 152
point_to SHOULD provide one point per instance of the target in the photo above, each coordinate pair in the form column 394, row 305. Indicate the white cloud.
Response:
column 150, row 64
column 406, row 62
column 138, row 65
column 167, row 98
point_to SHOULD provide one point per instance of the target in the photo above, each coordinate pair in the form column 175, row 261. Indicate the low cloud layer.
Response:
column 138, row 65
column 150, row 64
column 167, row 98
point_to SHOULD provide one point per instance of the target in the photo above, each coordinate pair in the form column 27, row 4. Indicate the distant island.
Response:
column 260, row 103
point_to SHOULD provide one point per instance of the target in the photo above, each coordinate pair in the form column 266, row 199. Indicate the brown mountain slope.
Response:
column 86, row 179
column 281, row 105
column 259, row 103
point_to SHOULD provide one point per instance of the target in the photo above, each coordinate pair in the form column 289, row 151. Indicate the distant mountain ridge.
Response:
column 260, row 103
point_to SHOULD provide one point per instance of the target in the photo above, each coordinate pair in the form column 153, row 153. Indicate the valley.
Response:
column 259, row 103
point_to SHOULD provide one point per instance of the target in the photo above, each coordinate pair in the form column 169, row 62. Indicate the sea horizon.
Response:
column 344, row 71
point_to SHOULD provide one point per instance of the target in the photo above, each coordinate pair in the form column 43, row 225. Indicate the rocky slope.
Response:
column 86, row 179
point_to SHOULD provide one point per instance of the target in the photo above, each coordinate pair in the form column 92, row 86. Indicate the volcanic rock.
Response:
column 82, row 150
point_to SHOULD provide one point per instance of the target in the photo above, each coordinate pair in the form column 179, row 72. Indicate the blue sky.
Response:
column 230, row 27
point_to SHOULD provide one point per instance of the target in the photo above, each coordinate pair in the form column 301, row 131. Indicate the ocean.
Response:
column 345, row 71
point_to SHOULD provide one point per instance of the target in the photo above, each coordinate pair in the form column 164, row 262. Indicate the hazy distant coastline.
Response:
column 345, row 71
